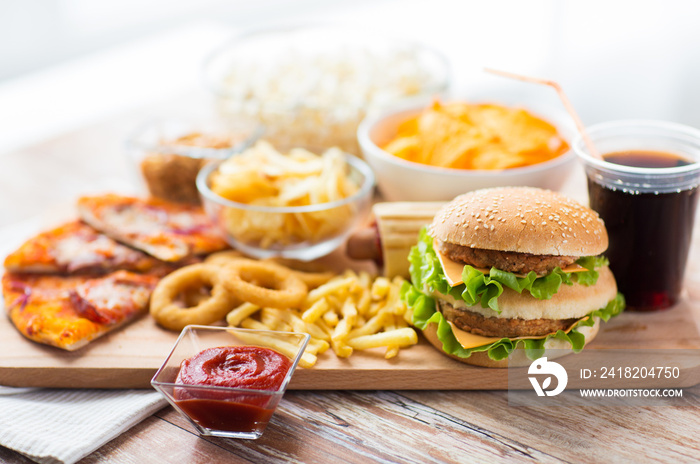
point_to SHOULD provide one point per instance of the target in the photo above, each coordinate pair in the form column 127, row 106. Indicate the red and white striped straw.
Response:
column 565, row 100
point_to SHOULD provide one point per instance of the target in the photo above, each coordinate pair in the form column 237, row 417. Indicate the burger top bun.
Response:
column 521, row 219
column 517, row 358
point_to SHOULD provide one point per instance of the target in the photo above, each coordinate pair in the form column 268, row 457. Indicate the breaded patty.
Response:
column 499, row 327
column 519, row 263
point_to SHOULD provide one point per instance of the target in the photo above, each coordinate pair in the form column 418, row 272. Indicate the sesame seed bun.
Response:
column 523, row 220
column 520, row 230
column 517, row 358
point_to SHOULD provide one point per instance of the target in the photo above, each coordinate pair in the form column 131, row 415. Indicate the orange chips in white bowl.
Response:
column 463, row 135
column 435, row 151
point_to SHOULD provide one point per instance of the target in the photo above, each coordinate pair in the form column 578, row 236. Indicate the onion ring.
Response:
column 223, row 258
column 265, row 284
column 312, row 274
column 172, row 315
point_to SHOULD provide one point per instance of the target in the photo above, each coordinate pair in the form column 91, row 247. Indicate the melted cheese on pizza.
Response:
column 170, row 232
column 69, row 312
column 76, row 247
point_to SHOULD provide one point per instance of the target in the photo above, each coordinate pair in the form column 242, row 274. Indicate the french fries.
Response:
column 307, row 359
column 349, row 312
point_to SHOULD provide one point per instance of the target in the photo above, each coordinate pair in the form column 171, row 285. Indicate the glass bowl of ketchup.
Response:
column 228, row 381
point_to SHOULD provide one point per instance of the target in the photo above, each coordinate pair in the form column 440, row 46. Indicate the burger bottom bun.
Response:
column 517, row 358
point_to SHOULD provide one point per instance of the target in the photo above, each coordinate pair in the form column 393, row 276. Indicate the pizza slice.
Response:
column 69, row 312
column 77, row 248
column 168, row 231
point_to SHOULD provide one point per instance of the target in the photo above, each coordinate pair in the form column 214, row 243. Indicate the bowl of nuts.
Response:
column 168, row 154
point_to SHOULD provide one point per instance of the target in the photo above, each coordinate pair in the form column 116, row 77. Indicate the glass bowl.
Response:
column 249, row 228
column 226, row 411
column 313, row 84
column 168, row 154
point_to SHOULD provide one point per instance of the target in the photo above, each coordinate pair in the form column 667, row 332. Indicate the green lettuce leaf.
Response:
column 590, row 277
column 484, row 289
column 425, row 313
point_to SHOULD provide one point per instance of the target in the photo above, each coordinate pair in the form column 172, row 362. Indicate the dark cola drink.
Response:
column 649, row 231
column 645, row 188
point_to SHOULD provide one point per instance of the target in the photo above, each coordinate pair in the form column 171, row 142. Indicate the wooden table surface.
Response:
column 346, row 426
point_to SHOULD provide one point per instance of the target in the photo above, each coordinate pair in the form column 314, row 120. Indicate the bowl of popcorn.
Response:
column 435, row 150
column 295, row 203
column 312, row 85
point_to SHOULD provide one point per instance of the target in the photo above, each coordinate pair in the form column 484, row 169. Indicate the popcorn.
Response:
column 319, row 98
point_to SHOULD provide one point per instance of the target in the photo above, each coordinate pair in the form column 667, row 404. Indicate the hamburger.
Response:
column 502, row 274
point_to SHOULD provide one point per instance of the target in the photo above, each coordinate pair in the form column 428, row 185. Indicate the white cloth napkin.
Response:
column 62, row 426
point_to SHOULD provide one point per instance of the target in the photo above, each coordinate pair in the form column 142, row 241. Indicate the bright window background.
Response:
column 39, row 33
column 64, row 63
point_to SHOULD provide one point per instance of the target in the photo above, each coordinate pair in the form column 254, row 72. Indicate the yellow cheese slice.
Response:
column 470, row 340
column 453, row 270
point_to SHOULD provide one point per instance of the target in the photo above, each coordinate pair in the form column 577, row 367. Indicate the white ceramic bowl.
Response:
column 402, row 180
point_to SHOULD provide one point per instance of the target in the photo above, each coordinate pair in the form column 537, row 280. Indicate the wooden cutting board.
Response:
column 130, row 357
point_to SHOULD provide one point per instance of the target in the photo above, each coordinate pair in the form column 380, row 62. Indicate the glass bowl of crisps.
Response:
column 229, row 381
column 169, row 153
column 436, row 150
column 314, row 83
column 298, row 204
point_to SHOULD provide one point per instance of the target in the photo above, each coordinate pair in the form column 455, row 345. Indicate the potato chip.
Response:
column 476, row 136
column 262, row 176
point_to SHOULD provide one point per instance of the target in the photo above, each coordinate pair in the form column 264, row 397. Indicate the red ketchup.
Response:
column 240, row 367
